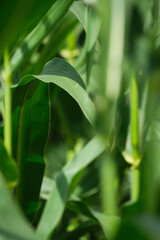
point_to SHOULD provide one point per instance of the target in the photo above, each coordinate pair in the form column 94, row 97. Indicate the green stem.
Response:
column 134, row 139
column 134, row 119
column 109, row 191
column 7, row 104
column 135, row 184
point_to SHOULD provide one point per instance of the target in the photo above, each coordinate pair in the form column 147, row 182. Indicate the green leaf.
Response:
column 13, row 225
column 46, row 187
column 61, row 189
column 35, row 37
column 18, row 18
column 56, row 38
column 8, row 167
column 61, row 73
column 79, row 10
column 30, row 124
column 91, row 24
column 93, row 28
column 109, row 224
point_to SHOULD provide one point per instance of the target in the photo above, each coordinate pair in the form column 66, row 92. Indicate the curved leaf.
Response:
column 91, row 24
column 61, row 189
column 61, row 73
column 79, row 10
column 109, row 224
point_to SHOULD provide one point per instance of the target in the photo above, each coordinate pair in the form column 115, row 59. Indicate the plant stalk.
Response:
column 7, row 104
column 135, row 184
column 134, row 119
column 134, row 139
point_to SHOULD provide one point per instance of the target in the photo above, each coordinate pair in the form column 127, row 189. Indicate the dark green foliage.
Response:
column 83, row 118
column 30, row 132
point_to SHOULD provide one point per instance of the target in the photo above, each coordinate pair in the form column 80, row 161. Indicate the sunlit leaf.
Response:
column 59, row 72
column 14, row 24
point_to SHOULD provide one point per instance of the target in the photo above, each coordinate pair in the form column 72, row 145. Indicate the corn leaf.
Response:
column 61, row 189
column 93, row 28
column 30, row 123
column 18, row 18
column 107, row 223
column 35, row 37
column 56, row 38
column 61, row 73
column 13, row 225
column 91, row 24
column 79, row 10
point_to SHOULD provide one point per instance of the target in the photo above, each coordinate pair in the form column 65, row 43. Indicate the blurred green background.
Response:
column 114, row 45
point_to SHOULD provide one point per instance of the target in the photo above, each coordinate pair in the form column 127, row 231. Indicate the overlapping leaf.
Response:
column 108, row 223
column 91, row 24
column 30, row 123
column 61, row 73
column 26, row 47
column 61, row 189
column 19, row 17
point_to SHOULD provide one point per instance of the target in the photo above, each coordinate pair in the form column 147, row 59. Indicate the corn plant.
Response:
column 80, row 120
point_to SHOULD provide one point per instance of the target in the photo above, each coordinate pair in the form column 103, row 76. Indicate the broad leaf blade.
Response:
column 13, row 226
column 61, row 189
column 36, row 36
column 65, row 76
column 19, row 17
column 108, row 224
column 30, row 132
column 56, row 38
